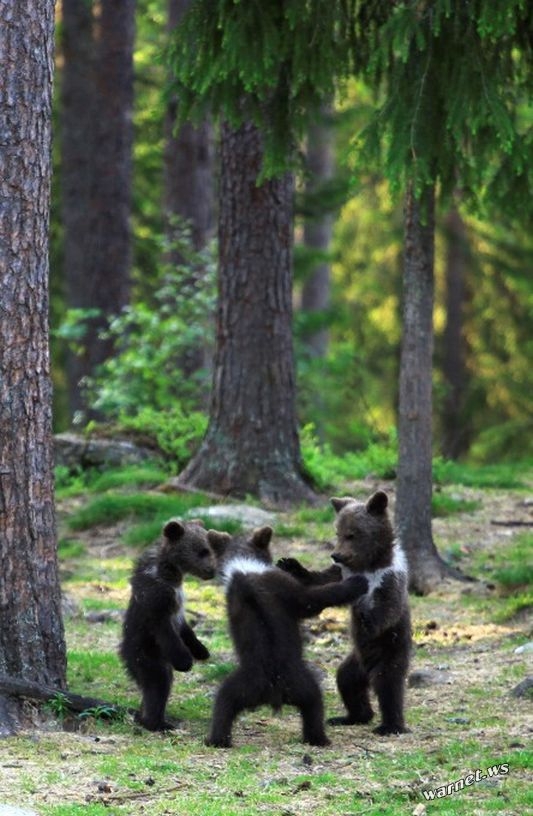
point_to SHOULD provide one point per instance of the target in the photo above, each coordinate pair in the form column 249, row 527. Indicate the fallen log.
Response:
column 30, row 690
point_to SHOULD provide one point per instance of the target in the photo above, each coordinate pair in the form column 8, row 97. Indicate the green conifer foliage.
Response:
column 449, row 76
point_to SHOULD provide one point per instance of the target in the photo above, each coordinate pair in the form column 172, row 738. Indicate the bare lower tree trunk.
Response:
column 456, row 425
column 414, row 482
column 318, row 230
column 252, row 445
column 188, row 164
column 77, row 125
column 31, row 632
column 100, row 276
column 189, row 193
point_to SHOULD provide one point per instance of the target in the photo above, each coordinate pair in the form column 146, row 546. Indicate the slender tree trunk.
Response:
column 318, row 230
column 77, row 123
column 188, row 159
column 456, row 426
column 100, row 277
column 414, row 482
column 252, row 445
column 189, row 192
column 31, row 632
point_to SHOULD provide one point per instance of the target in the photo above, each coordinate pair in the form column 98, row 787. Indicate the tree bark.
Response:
column 318, row 230
column 188, row 194
column 455, row 424
column 98, row 277
column 252, row 445
column 32, row 643
column 188, row 159
column 414, row 482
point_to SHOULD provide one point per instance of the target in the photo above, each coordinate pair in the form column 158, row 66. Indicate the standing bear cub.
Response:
column 381, row 627
column 264, row 607
column 156, row 636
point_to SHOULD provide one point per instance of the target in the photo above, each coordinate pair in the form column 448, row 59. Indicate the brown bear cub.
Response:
column 156, row 636
column 381, row 626
column 264, row 607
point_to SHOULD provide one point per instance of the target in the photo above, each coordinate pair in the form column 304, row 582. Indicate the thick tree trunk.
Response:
column 100, row 277
column 414, row 482
column 31, row 632
column 456, row 426
column 252, row 445
column 189, row 192
column 318, row 230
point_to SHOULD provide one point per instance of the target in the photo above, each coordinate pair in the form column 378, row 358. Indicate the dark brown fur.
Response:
column 265, row 606
column 156, row 637
column 381, row 628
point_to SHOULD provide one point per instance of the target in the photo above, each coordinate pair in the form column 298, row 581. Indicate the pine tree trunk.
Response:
column 77, row 123
column 456, row 425
column 318, row 231
column 414, row 482
column 252, row 445
column 188, row 163
column 31, row 632
column 99, row 277
column 189, row 191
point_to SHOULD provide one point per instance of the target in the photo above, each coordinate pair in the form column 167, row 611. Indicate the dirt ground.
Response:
column 466, row 664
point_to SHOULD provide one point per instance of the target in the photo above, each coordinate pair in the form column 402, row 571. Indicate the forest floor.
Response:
column 463, row 716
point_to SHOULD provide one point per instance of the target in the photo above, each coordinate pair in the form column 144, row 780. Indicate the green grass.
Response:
column 269, row 771
column 112, row 507
column 445, row 505
column 92, row 480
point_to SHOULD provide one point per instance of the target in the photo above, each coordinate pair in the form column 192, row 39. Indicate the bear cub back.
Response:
column 264, row 607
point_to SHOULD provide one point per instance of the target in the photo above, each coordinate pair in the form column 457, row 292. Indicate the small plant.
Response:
column 104, row 712
column 58, row 705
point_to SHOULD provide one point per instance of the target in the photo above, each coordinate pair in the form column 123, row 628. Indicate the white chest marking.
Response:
column 375, row 578
column 180, row 599
column 243, row 564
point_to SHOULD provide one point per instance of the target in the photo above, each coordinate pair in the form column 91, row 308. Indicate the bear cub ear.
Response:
column 199, row 522
column 219, row 541
column 261, row 537
column 173, row 530
column 338, row 504
column 377, row 503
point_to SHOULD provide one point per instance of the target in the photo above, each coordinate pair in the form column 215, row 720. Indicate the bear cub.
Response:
column 380, row 618
column 264, row 607
column 156, row 636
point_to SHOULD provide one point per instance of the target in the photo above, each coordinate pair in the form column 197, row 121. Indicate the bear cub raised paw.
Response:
column 380, row 618
column 156, row 636
column 264, row 607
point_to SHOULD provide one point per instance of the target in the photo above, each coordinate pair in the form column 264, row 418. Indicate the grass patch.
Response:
column 503, row 476
column 443, row 505
column 113, row 507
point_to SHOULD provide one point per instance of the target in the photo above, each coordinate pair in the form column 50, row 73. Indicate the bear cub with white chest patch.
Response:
column 380, row 618
column 264, row 607
column 156, row 636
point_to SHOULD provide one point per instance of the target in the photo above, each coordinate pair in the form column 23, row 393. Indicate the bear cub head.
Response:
column 365, row 537
column 185, row 548
column 244, row 553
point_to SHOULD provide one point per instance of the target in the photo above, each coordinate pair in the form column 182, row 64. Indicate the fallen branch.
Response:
column 511, row 523
column 14, row 687
column 106, row 798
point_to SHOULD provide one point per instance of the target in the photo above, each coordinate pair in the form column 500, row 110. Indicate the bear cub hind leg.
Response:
column 353, row 684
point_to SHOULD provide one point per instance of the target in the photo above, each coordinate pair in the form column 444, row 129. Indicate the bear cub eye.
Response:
column 204, row 552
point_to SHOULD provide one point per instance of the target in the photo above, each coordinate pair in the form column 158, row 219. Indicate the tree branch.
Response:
column 15, row 687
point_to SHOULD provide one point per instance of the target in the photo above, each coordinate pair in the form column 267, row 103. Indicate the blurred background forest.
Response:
column 133, row 255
